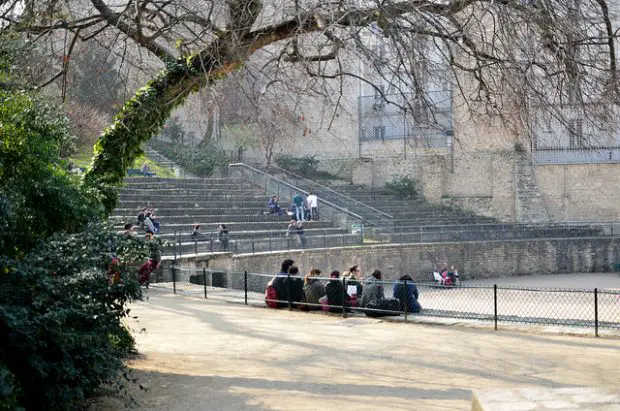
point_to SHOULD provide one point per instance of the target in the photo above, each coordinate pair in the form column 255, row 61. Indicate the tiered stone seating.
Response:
column 181, row 203
column 417, row 220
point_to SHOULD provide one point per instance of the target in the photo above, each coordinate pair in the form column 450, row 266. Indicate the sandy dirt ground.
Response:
column 212, row 355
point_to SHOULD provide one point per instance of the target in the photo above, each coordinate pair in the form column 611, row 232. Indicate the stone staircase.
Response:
column 417, row 220
column 182, row 203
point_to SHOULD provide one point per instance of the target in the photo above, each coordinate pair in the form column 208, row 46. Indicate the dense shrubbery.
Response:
column 403, row 187
column 61, row 329
column 197, row 160
column 306, row 166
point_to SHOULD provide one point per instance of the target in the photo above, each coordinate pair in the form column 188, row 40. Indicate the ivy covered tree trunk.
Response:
column 144, row 115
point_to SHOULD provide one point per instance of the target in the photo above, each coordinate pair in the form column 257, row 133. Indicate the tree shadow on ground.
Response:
column 171, row 391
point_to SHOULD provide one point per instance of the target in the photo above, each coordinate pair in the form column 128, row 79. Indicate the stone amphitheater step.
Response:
column 185, row 236
column 212, row 219
column 177, row 181
column 214, row 196
column 232, row 226
column 236, row 189
column 264, row 245
column 163, row 212
column 471, row 234
column 258, row 204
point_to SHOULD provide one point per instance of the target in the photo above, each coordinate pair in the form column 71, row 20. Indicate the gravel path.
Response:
column 212, row 355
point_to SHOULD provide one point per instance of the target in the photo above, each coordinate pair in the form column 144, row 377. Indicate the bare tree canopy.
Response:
column 497, row 56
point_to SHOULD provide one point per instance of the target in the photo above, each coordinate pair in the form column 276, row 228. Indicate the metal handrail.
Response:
column 289, row 185
column 322, row 187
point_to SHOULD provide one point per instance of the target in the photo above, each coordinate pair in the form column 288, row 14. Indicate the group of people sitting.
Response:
column 446, row 277
column 300, row 210
column 148, row 221
column 347, row 293
column 220, row 229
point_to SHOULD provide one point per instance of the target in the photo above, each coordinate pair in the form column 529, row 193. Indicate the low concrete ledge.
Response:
column 543, row 399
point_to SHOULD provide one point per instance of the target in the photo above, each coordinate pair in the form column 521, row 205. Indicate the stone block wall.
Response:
column 488, row 259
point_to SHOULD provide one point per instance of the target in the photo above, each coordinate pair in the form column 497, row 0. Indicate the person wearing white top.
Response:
column 313, row 206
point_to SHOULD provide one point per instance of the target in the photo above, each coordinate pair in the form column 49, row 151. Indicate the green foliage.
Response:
column 175, row 132
column 403, row 187
column 306, row 166
column 61, row 329
column 37, row 195
column 9, row 392
column 196, row 160
column 140, row 118
column 61, row 320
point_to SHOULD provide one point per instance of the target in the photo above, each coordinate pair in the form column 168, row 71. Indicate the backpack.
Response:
column 271, row 297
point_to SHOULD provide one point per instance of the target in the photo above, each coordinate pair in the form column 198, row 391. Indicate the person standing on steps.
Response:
column 313, row 206
column 298, row 202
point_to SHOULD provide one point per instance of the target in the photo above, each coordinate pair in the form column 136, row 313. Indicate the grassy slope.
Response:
column 83, row 156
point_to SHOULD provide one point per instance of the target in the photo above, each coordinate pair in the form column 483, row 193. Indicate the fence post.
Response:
column 288, row 290
column 245, row 286
column 174, row 280
column 405, row 298
column 180, row 247
column 174, row 244
column 344, row 297
column 596, row 312
column 495, row 304
column 204, row 281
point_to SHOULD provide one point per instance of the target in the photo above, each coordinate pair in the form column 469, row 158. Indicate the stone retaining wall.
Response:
column 485, row 259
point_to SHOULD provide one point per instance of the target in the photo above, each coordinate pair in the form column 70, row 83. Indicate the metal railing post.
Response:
column 495, row 304
column 245, row 286
column 174, row 244
column 180, row 246
column 195, row 246
column 406, row 299
column 204, row 281
column 596, row 312
column 344, row 297
column 174, row 280
column 288, row 290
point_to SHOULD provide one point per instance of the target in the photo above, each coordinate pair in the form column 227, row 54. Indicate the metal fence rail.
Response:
column 182, row 244
column 582, row 308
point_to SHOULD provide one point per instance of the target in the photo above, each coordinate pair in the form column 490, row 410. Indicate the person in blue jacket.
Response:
column 409, row 295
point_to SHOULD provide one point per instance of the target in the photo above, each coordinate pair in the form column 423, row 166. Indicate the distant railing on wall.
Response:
column 582, row 155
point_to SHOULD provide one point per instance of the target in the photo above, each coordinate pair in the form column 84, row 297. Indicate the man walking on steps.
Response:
column 298, row 202
column 313, row 206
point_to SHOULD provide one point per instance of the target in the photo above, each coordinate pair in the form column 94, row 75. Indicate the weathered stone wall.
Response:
column 486, row 259
column 581, row 191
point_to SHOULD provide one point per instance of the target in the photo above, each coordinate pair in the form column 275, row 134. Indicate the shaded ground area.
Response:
column 214, row 355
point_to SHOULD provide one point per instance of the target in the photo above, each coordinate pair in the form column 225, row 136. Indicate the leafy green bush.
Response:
column 306, row 165
column 37, row 195
column 61, row 328
column 196, row 160
column 403, row 187
column 61, row 323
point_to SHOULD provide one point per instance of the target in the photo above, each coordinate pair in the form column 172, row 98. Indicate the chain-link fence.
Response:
column 585, row 308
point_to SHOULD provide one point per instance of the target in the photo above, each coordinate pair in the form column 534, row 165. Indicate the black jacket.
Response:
column 296, row 287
